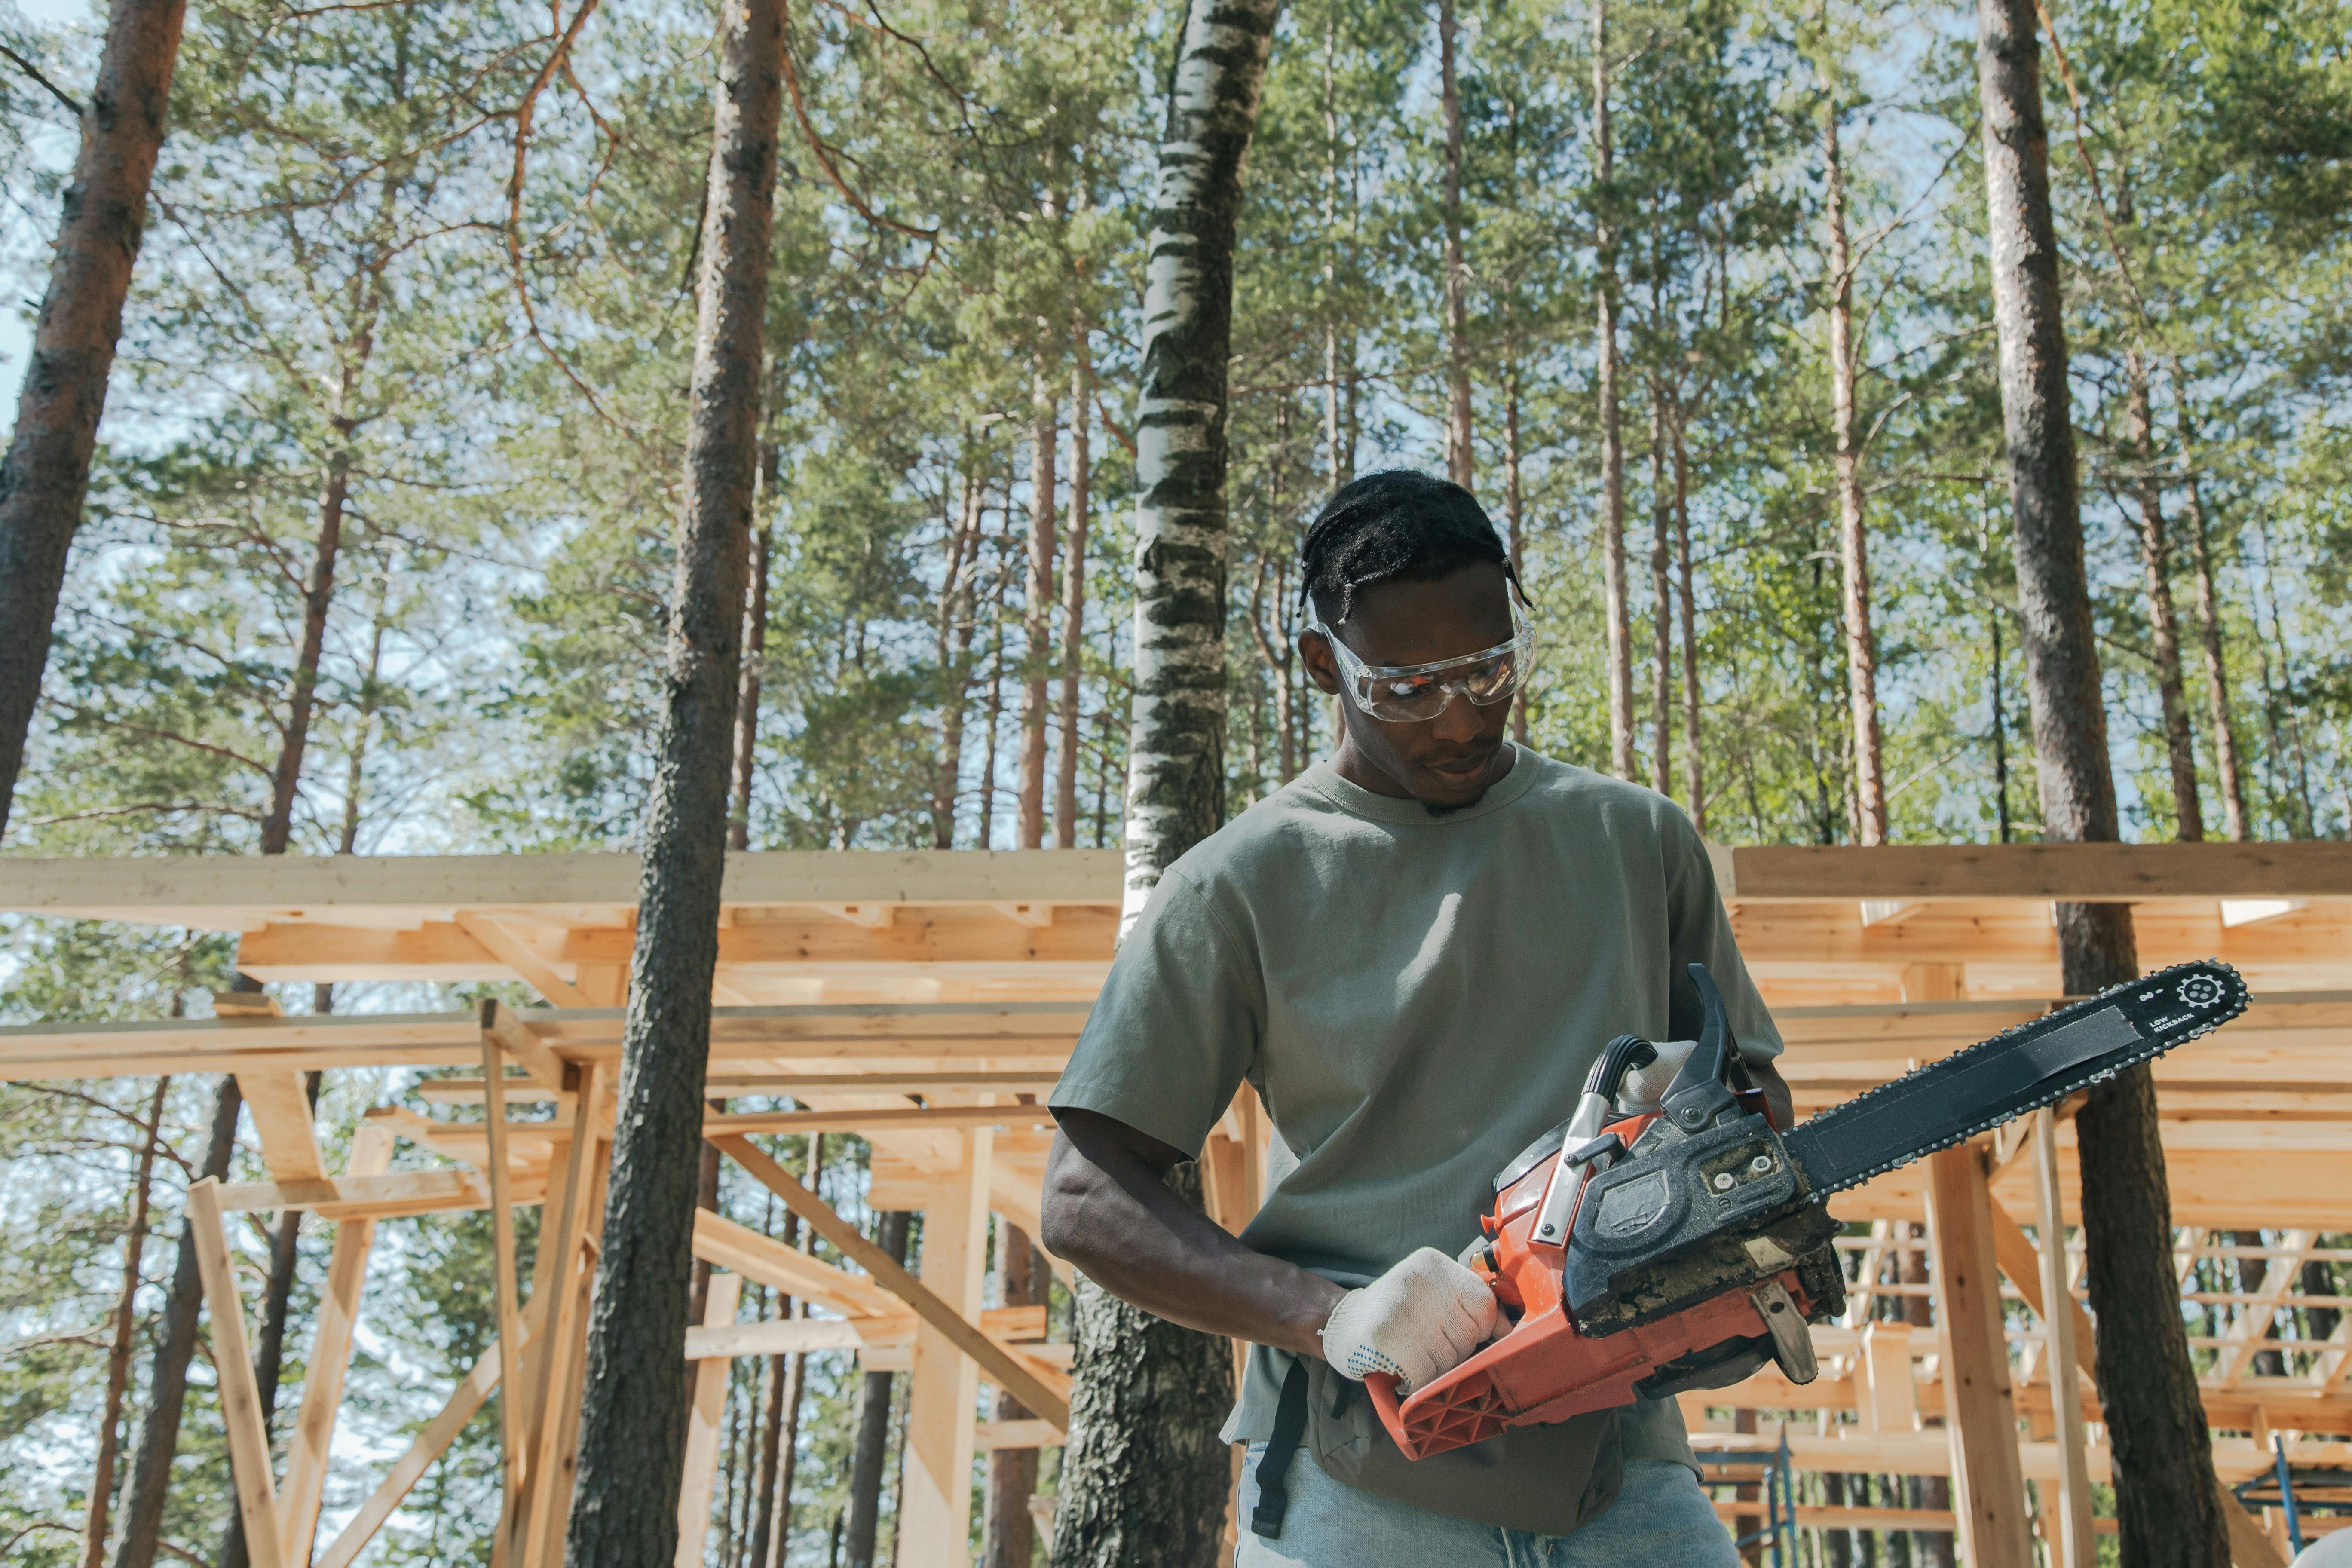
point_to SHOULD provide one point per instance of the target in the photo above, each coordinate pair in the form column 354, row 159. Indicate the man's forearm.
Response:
column 1107, row 1211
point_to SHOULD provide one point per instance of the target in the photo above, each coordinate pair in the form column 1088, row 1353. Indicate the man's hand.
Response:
column 1419, row 1321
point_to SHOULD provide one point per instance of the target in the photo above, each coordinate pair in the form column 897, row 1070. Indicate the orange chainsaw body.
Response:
column 1543, row 1368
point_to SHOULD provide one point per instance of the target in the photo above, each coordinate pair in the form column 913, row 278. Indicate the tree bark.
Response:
column 1074, row 591
column 46, row 475
column 167, row 1379
column 772, row 1435
column 1853, row 540
column 2156, row 565
column 747, row 694
column 1011, row 1534
column 1143, row 1478
column 1037, row 606
column 867, row 1460
column 1694, row 758
column 2166, row 1502
column 126, row 1324
column 1461, row 465
column 1514, row 515
column 954, row 651
column 632, row 1449
column 1613, row 448
column 2236, row 822
column 1661, row 602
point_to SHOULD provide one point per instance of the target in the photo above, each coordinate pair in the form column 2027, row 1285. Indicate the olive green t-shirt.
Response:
column 1416, row 997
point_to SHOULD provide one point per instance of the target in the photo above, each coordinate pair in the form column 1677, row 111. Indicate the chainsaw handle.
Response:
column 1381, row 1386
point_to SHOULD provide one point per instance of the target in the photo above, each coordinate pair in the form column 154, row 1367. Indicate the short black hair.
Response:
column 1396, row 525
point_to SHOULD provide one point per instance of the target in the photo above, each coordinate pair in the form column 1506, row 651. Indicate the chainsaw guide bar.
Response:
column 2019, row 1070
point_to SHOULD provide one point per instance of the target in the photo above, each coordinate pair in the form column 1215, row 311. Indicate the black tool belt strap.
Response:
column 1274, row 1464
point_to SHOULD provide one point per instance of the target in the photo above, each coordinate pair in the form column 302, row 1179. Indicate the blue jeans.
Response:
column 1660, row 1520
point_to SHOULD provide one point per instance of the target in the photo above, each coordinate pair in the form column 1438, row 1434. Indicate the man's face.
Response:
column 1446, row 762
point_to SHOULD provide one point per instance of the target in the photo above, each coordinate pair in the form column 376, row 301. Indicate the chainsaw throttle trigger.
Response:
column 1702, row 1093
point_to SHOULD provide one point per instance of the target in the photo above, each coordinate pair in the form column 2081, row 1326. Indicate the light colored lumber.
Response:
column 2074, row 1547
column 1013, row 1324
column 706, row 1417
column 308, row 1449
column 514, row 1037
column 2079, row 873
column 518, row 955
column 723, row 1242
column 991, row 1435
column 498, row 1176
column 943, row 1387
column 793, row 1336
column 279, row 1104
column 998, row 1361
column 542, row 1387
column 881, row 1120
column 410, row 1467
column 360, row 1197
column 1988, row 1485
column 241, row 1399
column 1890, row 1398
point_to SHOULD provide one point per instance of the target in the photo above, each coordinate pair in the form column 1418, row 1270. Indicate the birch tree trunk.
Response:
column 1037, row 606
column 2166, row 1499
column 46, row 474
column 632, row 1448
column 1853, row 539
column 1144, row 1478
column 1461, row 465
column 1073, row 591
column 2236, row 823
column 1613, row 448
column 2163, row 636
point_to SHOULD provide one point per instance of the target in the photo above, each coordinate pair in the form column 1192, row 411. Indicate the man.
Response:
column 1413, row 951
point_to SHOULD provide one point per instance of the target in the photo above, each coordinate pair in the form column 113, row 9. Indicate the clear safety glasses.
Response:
column 1412, row 692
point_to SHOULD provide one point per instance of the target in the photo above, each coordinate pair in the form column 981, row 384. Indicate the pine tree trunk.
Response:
column 1074, row 591
column 1694, row 758
column 954, row 652
column 1853, row 540
column 873, row 1447
column 1661, row 603
column 771, row 1437
column 632, row 1449
column 2236, row 822
column 1515, row 519
column 1461, row 465
column 747, row 696
column 2163, row 636
column 1144, row 1478
column 46, row 474
column 1037, row 606
column 1612, row 446
column 1010, row 1535
column 167, row 1379
column 126, row 1324
column 2166, row 1502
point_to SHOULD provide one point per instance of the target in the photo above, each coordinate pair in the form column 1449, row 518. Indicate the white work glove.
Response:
column 1419, row 1321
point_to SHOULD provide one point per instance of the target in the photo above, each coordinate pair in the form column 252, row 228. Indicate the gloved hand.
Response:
column 1419, row 1321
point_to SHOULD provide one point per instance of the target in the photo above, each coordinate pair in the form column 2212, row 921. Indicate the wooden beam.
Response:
column 995, row 1360
column 514, row 1037
column 706, row 1417
column 1990, row 1489
column 723, row 1242
column 542, row 1385
column 409, row 1468
column 497, row 1175
column 240, row 1400
column 382, row 1197
column 716, row 1126
column 792, row 1336
column 308, row 1449
column 2073, row 1546
column 991, row 1435
column 2078, row 873
column 511, row 951
column 943, row 1384
column 280, row 1102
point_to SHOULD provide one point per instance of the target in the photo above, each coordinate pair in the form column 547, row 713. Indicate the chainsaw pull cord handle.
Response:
column 1702, row 1091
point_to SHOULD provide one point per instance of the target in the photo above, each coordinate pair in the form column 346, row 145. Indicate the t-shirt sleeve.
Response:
column 1701, row 933
column 1176, row 1027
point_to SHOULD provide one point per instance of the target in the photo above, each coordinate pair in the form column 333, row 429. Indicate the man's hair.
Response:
column 1393, row 526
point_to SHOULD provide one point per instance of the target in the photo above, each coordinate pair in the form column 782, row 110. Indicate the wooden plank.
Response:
column 2081, row 873
column 360, row 1197
column 793, row 1336
column 2073, row 1546
column 722, row 1241
column 991, row 1435
column 884, row 1120
column 429, row 1444
column 1889, row 1399
column 330, row 1358
column 706, row 1417
column 943, row 1385
column 1988, row 1487
column 514, row 1037
column 240, row 1400
column 541, row 1388
column 499, row 1178
column 280, row 1102
column 996, row 1361
column 1013, row 1324
column 511, row 951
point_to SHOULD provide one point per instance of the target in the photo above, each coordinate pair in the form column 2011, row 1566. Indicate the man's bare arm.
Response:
column 1107, row 1211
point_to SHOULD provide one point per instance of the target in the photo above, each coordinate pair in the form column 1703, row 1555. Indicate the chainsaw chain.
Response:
column 2236, row 996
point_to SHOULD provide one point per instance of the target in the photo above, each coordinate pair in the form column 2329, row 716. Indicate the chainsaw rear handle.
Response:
column 1382, row 1388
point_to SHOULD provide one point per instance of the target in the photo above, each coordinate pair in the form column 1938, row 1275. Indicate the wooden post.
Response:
column 249, row 1439
column 1981, row 1407
column 2073, row 1546
column 935, row 1525
column 704, row 1424
column 560, row 1439
column 499, row 1179
column 330, row 1351
column 542, row 1371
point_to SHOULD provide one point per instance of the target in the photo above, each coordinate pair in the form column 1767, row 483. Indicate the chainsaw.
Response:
column 1669, row 1237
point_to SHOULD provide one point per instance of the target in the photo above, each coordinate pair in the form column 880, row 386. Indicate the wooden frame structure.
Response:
column 926, row 999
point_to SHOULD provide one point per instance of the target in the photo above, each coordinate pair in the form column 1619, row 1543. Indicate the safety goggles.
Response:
column 1413, row 692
